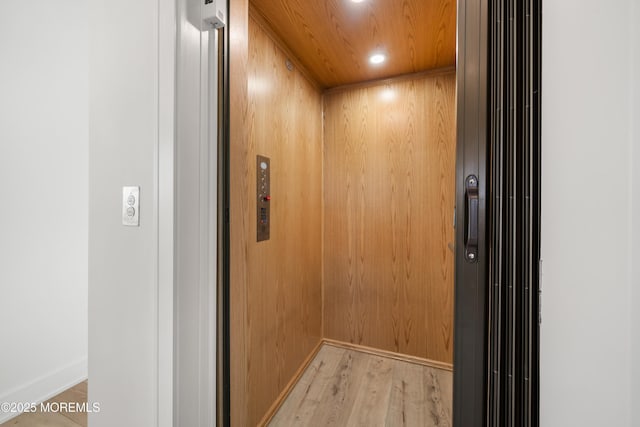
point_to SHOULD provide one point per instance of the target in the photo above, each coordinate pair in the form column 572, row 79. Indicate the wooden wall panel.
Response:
column 238, row 210
column 284, row 274
column 389, row 181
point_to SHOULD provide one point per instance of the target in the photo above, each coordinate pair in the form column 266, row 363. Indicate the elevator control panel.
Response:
column 263, row 190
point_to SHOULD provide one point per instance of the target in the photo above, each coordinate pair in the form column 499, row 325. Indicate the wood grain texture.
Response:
column 75, row 395
column 389, row 197
column 290, row 386
column 260, row 20
column 344, row 387
column 305, row 397
column 389, row 354
column 334, row 38
column 284, row 274
column 238, row 209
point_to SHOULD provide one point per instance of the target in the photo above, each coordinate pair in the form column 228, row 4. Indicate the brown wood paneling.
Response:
column 389, row 184
column 334, row 38
column 262, row 22
column 290, row 386
column 389, row 354
column 284, row 300
column 238, row 209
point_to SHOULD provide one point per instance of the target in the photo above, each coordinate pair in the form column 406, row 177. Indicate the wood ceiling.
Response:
column 333, row 39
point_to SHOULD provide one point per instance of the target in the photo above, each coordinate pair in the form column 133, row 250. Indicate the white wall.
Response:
column 131, row 140
column 634, row 18
column 44, row 194
column 587, row 223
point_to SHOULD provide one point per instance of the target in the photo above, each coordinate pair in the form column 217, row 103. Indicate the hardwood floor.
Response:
column 341, row 387
column 76, row 394
column 345, row 387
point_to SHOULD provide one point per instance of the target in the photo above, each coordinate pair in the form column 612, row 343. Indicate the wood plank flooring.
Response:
column 345, row 387
column 77, row 394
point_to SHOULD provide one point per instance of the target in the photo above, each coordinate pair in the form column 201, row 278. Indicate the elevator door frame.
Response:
column 480, row 83
column 471, row 327
column 471, row 278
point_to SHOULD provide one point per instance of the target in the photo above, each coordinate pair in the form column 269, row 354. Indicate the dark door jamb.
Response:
column 470, row 341
column 223, row 398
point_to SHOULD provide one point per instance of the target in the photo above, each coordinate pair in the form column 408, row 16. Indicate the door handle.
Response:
column 472, row 205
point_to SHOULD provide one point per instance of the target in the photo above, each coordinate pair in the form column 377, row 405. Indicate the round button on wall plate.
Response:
column 131, row 206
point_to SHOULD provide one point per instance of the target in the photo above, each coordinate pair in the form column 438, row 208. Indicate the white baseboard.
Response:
column 45, row 387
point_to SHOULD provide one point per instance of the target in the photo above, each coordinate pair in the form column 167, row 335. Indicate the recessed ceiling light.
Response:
column 357, row 1
column 377, row 58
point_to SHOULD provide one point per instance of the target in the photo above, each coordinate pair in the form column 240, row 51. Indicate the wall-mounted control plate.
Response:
column 263, row 187
column 214, row 14
column 131, row 206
